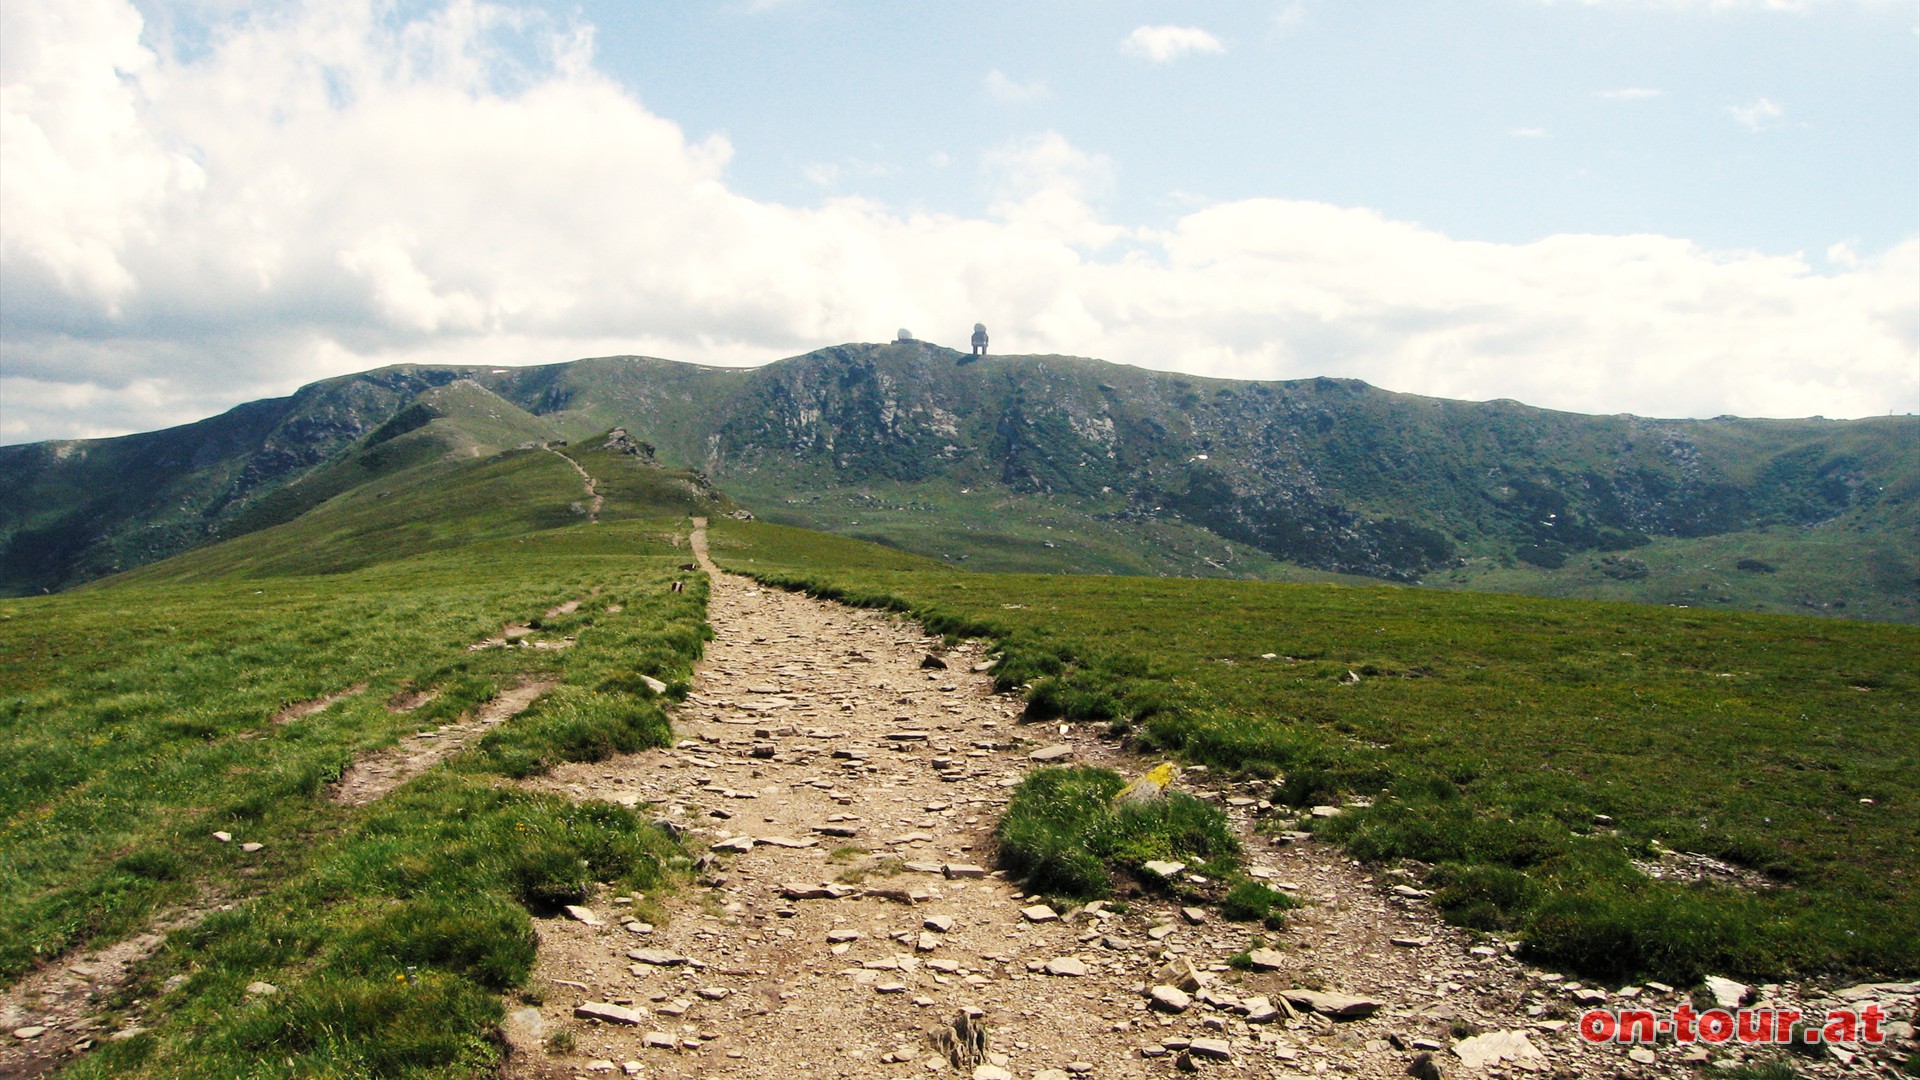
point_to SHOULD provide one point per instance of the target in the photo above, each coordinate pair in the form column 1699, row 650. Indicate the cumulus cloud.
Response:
column 1165, row 44
column 1003, row 89
column 324, row 189
column 1757, row 116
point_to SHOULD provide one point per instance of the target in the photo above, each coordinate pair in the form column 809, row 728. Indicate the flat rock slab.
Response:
column 1726, row 993
column 1056, row 752
column 1338, row 1006
column 1170, row 999
column 610, row 1013
column 1878, row 990
column 1495, row 1047
column 656, row 957
column 794, row 890
column 1217, row 1049
column 1267, row 959
column 1039, row 913
column 1069, row 966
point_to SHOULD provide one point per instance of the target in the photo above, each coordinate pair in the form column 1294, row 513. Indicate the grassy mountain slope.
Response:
column 142, row 713
column 75, row 510
column 1063, row 464
column 443, row 503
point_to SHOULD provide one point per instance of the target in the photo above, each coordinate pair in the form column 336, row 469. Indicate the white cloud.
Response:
column 1528, row 133
column 1757, row 116
column 323, row 192
column 1628, row 93
column 1003, row 89
column 1165, row 44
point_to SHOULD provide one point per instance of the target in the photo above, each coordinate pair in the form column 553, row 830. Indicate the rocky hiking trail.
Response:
column 594, row 499
column 847, row 922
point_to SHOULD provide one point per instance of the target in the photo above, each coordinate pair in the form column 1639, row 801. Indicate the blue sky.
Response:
column 1501, row 121
column 1668, row 207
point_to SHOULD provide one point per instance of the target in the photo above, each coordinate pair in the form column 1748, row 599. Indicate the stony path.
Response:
column 53, row 1015
column 845, row 916
column 594, row 499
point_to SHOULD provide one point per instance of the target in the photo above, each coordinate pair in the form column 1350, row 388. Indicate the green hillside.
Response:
column 224, row 690
column 1062, row 464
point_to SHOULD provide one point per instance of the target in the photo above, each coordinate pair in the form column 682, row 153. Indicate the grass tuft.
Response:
column 1253, row 901
column 1063, row 834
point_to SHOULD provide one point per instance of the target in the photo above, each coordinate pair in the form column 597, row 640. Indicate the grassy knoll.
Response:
column 1491, row 731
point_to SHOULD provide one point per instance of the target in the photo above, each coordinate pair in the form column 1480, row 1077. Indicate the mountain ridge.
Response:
column 1135, row 470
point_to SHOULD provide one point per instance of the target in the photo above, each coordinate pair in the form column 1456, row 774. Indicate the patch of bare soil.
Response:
column 408, row 700
column 846, row 923
column 377, row 773
column 301, row 709
column 520, row 635
column 53, row 1015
